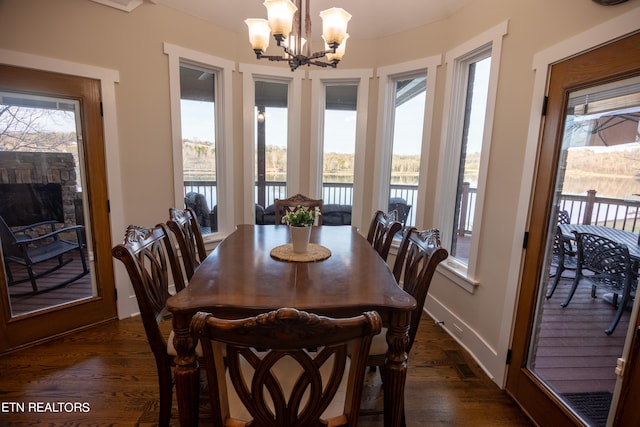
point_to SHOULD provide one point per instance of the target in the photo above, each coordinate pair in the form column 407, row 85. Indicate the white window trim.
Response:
column 384, row 131
column 457, row 59
column 224, row 131
column 319, row 80
column 251, row 73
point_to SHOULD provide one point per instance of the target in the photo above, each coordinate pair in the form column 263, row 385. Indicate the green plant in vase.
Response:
column 300, row 222
column 302, row 216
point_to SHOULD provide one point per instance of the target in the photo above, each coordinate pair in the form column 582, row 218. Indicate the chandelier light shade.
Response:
column 285, row 22
column 259, row 32
column 280, row 15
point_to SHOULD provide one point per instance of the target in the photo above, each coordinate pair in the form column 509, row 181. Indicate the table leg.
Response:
column 396, row 369
column 187, row 372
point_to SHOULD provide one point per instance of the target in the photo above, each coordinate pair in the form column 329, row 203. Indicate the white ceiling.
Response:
column 371, row 18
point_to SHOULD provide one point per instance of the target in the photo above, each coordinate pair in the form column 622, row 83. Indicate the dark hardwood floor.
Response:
column 108, row 373
column 111, row 368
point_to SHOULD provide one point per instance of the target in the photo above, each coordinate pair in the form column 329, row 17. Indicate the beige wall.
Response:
column 132, row 43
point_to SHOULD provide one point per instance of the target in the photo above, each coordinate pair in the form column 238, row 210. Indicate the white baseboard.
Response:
column 487, row 357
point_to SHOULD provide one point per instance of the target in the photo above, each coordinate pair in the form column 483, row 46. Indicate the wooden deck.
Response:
column 22, row 302
column 572, row 352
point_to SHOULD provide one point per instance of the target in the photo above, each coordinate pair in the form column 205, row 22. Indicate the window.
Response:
column 200, row 95
column 270, row 147
column 471, row 82
column 338, row 131
column 271, row 137
column 339, row 144
column 404, row 123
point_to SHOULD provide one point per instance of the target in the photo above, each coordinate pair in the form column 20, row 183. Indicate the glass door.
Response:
column 41, row 194
column 54, row 248
column 567, row 365
column 597, row 191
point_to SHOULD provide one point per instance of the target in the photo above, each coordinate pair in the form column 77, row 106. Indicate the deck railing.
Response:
column 583, row 209
column 591, row 209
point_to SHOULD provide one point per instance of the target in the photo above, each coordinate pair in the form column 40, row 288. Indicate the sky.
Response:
column 340, row 134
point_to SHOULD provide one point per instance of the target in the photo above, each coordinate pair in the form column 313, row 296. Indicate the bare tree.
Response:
column 25, row 129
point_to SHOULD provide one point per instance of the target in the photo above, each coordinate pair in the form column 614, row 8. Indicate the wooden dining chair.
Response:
column 282, row 206
column 608, row 266
column 382, row 230
column 419, row 254
column 184, row 225
column 152, row 264
column 285, row 367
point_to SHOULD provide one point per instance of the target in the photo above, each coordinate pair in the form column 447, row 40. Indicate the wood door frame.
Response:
column 581, row 71
column 26, row 329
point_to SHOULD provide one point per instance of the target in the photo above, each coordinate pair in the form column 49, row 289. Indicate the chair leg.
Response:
column 165, row 382
column 574, row 286
column 556, row 280
column 32, row 278
column 622, row 305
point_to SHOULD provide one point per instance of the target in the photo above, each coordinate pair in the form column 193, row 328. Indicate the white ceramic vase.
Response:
column 300, row 238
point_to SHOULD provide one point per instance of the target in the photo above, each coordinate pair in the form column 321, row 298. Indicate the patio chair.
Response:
column 285, row 367
column 282, row 206
column 419, row 255
column 148, row 254
column 184, row 225
column 605, row 264
column 31, row 245
column 563, row 257
column 400, row 205
column 382, row 230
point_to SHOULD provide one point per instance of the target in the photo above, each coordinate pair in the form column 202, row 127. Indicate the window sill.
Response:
column 212, row 240
column 457, row 273
column 450, row 268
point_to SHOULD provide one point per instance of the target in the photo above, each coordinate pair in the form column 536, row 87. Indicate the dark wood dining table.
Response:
column 240, row 278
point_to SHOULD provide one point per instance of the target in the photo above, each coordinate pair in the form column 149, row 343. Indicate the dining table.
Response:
column 246, row 274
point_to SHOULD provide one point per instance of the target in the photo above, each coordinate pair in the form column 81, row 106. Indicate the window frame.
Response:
column 251, row 74
column 458, row 60
column 319, row 81
column 222, row 69
column 387, row 78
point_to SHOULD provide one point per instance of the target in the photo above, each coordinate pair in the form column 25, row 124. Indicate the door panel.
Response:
column 52, row 168
column 588, row 73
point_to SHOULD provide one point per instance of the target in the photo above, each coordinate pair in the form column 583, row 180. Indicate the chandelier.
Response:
column 285, row 23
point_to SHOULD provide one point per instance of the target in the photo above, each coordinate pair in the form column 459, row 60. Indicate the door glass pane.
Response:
column 472, row 133
column 576, row 342
column 197, row 107
column 339, row 145
column 271, row 114
column 408, row 120
column 46, row 239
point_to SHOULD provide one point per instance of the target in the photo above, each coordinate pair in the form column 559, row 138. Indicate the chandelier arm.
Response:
column 332, row 64
column 307, row 28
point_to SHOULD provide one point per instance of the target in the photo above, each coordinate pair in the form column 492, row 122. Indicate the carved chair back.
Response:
column 285, row 367
column 382, row 230
column 291, row 204
column 184, row 225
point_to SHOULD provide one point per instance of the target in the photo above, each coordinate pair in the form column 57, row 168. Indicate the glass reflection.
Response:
column 45, row 238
